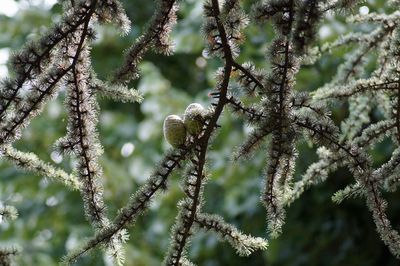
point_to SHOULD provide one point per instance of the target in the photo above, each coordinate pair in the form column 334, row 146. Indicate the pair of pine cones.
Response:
column 177, row 129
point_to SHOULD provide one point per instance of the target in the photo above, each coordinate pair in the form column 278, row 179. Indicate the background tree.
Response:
column 51, row 218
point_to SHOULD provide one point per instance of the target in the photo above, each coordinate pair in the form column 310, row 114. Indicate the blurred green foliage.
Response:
column 51, row 218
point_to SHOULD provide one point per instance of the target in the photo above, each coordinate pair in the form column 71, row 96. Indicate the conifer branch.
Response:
column 6, row 255
column 188, row 210
column 244, row 244
column 30, row 162
column 137, row 205
column 279, row 114
column 250, row 78
column 301, row 101
column 306, row 22
column 341, row 5
column 350, row 191
column 279, row 90
column 360, row 86
column 82, row 139
column 36, row 57
column 7, row 213
column 156, row 35
column 375, row 133
column 42, row 90
column 251, row 113
column 359, row 107
column 112, row 11
column 361, row 169
column 388, row 172
column 117, row 92
column 253, row 141
column 316, row 173
column 190, row 206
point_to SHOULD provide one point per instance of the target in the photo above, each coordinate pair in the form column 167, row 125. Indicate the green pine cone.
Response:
column 194, row 118
column 174, row 131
